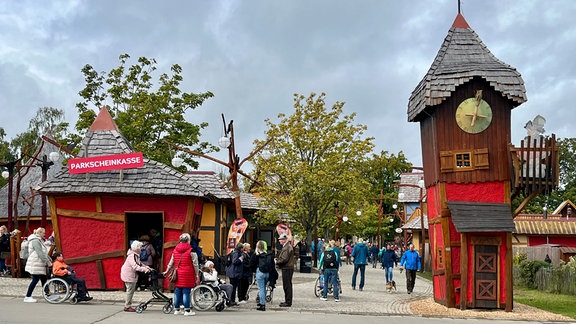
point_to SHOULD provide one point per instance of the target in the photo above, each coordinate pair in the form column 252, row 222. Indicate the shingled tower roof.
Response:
column 104, row 138
column 462, row 57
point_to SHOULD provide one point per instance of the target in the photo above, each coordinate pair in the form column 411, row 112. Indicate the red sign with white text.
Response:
column 106, row 162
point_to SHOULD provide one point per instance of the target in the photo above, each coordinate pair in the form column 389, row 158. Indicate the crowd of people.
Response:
column 243, row 267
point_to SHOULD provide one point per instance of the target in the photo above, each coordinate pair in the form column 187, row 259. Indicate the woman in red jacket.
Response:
column 185, row 263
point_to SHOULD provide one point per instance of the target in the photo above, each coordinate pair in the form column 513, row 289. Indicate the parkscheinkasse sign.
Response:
column 106, row 162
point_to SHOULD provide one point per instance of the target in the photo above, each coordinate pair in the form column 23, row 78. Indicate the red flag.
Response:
column 237, row 229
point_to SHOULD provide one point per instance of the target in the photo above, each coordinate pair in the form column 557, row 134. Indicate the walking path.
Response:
column 373, row 300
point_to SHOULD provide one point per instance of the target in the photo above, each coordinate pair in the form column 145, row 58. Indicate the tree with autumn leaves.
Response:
column 313, row 162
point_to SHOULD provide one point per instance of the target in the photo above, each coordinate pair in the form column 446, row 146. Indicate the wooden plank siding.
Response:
column 442, row 134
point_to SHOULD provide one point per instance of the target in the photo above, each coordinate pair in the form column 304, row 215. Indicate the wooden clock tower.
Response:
column 464, row 105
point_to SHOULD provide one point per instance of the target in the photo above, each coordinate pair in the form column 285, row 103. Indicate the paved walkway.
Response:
column 373, row 300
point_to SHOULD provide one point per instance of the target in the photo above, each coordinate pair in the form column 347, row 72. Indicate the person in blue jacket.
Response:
column 360, row 255
column 388, row 260
column 410, row 261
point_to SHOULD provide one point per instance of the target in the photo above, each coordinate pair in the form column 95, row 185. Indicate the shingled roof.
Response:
column 409, row 187
column 31, row 177
column 538, row 225
column 104, row 138
column 462, row 57
column 210, row 181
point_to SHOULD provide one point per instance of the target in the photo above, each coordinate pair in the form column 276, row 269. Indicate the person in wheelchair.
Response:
column 61, row 270
column 210, row 277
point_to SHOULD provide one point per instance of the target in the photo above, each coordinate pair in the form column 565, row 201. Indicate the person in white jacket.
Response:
column 211, row 278
column 38, row 261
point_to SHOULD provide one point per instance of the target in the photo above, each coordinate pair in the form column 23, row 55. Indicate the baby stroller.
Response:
column 157, row 295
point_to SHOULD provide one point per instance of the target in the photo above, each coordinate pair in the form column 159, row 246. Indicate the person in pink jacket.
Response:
column 129, row 273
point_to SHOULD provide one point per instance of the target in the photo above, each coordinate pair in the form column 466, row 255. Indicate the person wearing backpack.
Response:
column 147, row 254
column 263, row 263
column 329, row 263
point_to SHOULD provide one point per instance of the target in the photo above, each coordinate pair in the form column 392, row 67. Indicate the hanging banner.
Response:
column 284, row 229
column 237, row 229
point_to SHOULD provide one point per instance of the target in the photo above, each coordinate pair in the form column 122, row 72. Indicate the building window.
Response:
column 463, row 160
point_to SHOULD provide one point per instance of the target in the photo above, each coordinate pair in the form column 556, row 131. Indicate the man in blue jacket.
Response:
column 411, row 262
column 360, row 255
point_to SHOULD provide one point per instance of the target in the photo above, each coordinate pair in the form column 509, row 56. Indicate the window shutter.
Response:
column 446, row 161
column 481, row 159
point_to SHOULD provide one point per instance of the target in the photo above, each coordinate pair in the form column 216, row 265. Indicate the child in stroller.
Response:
column 157, row 295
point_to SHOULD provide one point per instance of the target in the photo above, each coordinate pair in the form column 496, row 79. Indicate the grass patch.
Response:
column 425, row 275
column 554, row 303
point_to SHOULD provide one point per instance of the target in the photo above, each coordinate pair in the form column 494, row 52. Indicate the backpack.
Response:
column 144, row 253
column 266, row 262
column 24, row 253
column 330, row 261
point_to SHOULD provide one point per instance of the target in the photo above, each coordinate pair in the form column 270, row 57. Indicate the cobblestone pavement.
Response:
column 373, row 300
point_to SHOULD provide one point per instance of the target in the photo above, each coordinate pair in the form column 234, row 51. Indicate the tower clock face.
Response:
column 473, row 116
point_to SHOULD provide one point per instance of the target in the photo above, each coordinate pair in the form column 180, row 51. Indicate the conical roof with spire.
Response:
column 104, row 138
column 462, row 57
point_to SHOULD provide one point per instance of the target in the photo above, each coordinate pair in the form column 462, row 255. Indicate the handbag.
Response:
column 173, row 276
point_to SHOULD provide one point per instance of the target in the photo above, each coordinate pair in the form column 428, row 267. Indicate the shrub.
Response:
column 519, row 258
column 527, row 272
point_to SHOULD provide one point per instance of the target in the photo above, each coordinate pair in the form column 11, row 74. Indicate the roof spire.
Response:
column 103, row 121
column 459, row 12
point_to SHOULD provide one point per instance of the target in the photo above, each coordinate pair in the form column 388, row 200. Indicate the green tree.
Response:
column 47, row 121
column 6, row 154
column 382, row 171
column 146, row 115
column 314, row 162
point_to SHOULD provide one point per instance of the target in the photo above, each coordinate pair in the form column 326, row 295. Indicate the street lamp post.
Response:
column 10, row 176
column 339, row 218
column 233, row 164
column 45, row 165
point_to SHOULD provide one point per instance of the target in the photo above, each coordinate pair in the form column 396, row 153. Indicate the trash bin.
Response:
column 305, row 264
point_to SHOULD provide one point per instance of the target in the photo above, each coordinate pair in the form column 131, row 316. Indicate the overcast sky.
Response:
column 254, row 55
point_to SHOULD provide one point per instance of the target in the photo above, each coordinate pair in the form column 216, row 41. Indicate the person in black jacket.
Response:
column 262, row 263
column 4, row 249
column 234, row 271
column 246, row 278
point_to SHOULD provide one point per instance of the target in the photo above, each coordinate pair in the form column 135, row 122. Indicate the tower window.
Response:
column 463, row 160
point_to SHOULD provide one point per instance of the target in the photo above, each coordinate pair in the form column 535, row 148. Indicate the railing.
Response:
column 535, row 165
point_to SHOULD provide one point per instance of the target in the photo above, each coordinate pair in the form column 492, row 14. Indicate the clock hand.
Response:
column 478, row 100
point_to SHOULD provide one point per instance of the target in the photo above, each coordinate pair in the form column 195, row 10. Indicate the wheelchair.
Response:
column 57, row 290
column 205, row 296
column 319, row 286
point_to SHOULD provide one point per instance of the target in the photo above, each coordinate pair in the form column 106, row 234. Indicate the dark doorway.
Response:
column 138, row 224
